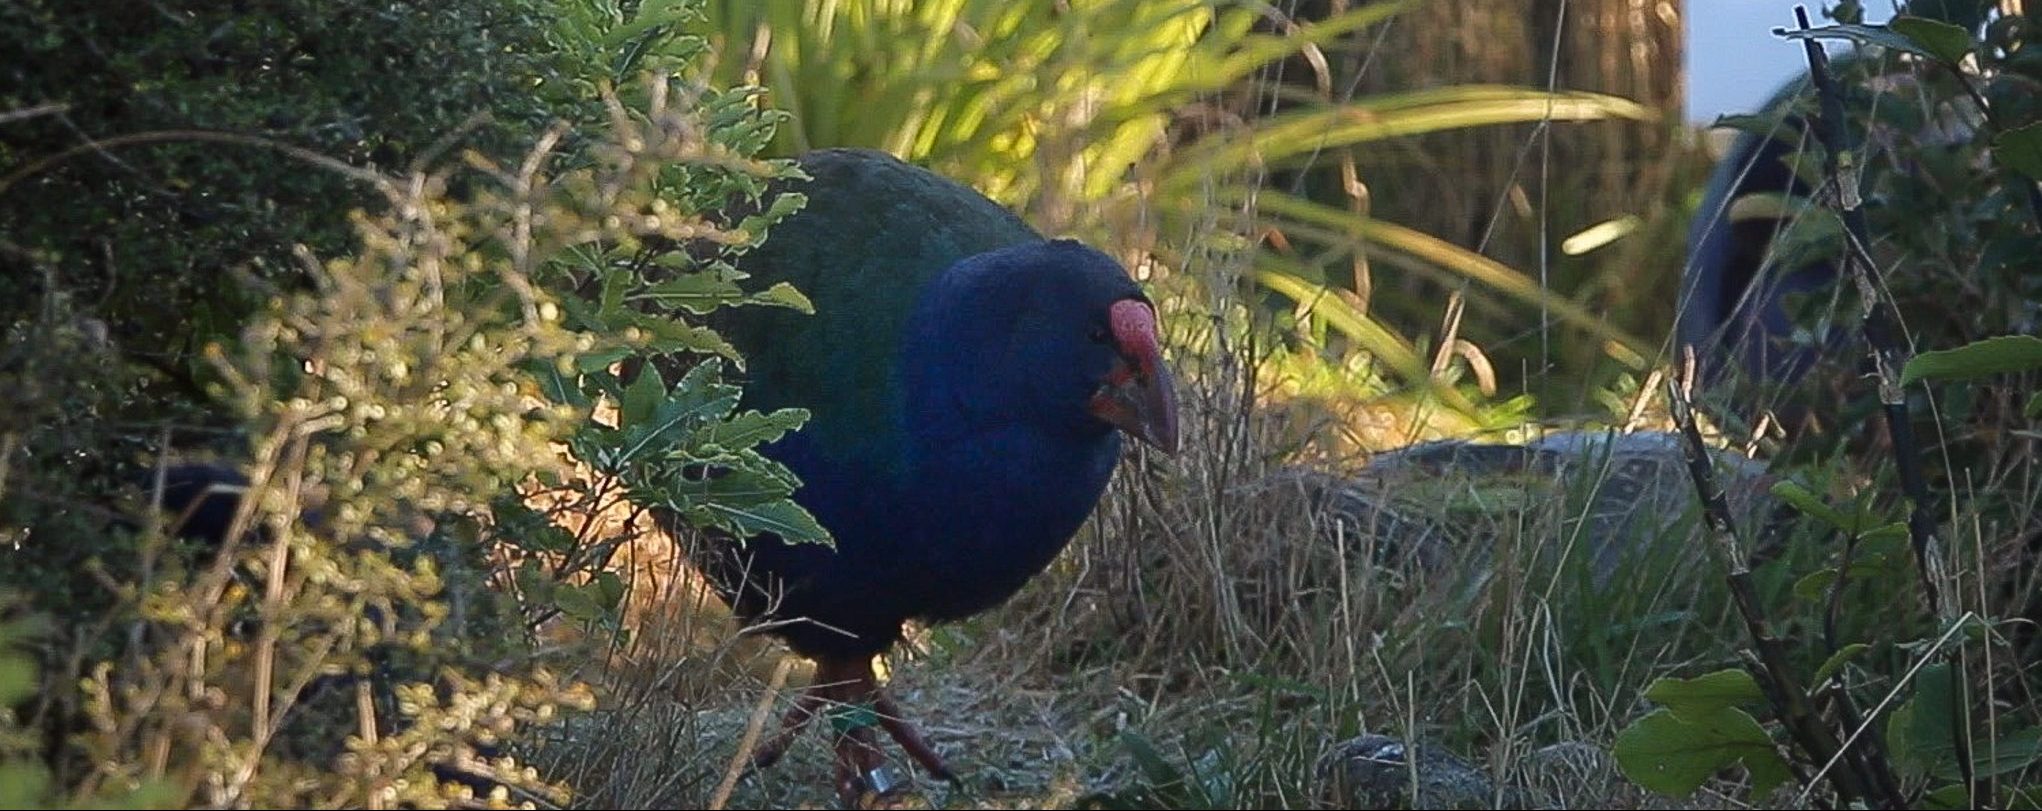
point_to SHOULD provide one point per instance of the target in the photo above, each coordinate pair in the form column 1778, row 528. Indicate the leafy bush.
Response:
column 1921, row 150
column 415, row 388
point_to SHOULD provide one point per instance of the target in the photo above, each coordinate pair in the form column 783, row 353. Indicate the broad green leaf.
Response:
column 750, row 429
column 1939, row 39
column 784, row 295
column 1699, row 698
column 642, row 398
column 2009, row 753
column 737, row 487
column 1991, row 356
column 1673, row 756
column 699, row 293
column 1837, row 660
column 599, row 359
column 671, row 335
column 615, row 285
column 2020, row 149
column 1883, row 534
column 1919, row 731
column 1953, row 796
column 1869, row 562
column 786, row 203
column 789, row 520
column 1766, row 206
column 1921, row 734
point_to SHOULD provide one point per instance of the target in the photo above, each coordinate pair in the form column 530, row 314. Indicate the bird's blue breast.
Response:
column 957, row 528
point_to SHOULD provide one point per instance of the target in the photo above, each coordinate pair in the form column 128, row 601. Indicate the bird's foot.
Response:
column 854, row 704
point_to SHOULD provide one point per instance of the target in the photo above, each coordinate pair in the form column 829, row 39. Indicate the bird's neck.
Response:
column 976, row 426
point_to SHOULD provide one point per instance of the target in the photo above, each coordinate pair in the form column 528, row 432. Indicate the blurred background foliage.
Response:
column 1134, row 123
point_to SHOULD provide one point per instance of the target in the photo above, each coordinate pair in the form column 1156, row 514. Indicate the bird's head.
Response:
column 1053, row 332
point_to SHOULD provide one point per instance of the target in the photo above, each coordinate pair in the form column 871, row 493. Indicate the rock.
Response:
column 1616, row 492
column 1376, row 771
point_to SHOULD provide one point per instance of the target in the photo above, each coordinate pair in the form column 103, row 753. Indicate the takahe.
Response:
column 967, row 382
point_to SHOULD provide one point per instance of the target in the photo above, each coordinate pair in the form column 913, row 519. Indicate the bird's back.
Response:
column 874, row 232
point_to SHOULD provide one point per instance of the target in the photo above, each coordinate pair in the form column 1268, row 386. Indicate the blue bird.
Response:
column 968, row 383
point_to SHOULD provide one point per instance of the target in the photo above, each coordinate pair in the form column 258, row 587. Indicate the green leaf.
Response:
column 1837, row 660
column 1952, row 796
column 1878, row 35
column 1811, row 505
column 699, row 293
column 783, row 204
column 789, row 520
column 2020, row 149
column 1873, row 559
column 671, row 335
column 736, row 487
column 1766, row 126
column 784, row 295
column 23, row 784
column 1921, row 734
column 599, row 359
column 1673, row 756
column 1939, row 39
column 1919, row 731
column 2012, row 752
column 614, row 286
column 578, row 602
column 17, row 679
column 750, row 429
column 642, row 398
column 2034, row 408
column 2006, row 353
column 1812, row 235
column 1702, row 696
column 609, row 589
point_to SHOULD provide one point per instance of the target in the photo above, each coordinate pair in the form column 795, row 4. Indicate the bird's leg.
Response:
column 848, row 696
column 862, row 705
column 909, row 738
column 805, row 709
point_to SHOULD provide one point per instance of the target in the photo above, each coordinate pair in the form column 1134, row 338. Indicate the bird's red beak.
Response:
column 1138, row 396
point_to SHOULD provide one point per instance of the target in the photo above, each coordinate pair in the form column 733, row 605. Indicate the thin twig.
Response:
column 752, row 729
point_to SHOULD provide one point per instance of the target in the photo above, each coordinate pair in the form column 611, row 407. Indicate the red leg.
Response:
column 909, row 738
column 848, row 693
column 805, row 709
